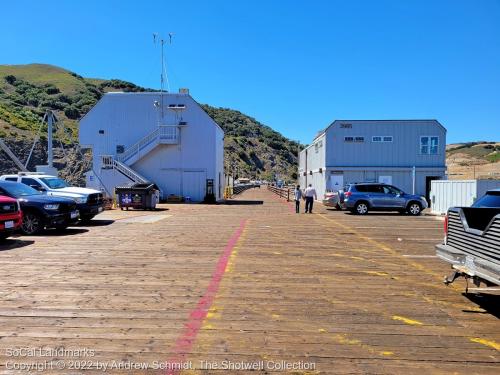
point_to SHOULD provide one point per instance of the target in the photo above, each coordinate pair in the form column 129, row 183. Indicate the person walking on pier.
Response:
column 298, row 197
column 310, row 195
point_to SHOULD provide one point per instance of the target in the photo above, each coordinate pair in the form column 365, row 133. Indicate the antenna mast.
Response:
column 163, row 75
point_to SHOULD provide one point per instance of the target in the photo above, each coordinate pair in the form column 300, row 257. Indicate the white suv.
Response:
column 89, row 201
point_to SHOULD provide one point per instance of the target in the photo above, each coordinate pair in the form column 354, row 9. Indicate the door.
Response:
column 170, row 182
column 193, row 185
column 428, row 180
column 376, row 195
column 336, row 182
column 393, row 198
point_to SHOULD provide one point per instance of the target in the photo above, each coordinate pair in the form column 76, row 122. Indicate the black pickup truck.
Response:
column 472, row 241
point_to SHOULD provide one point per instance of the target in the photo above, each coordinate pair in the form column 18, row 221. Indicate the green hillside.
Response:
column 27, row 91
column 488, row 151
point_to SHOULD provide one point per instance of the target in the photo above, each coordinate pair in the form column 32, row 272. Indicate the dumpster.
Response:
column 139, row 196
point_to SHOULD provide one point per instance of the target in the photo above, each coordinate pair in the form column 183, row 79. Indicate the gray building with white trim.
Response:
column 408, row 154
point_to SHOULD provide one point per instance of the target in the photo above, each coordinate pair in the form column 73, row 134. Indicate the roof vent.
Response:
column 184, row 91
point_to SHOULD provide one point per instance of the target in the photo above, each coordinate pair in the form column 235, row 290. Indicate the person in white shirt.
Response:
column 310, row 195
column 298, row 197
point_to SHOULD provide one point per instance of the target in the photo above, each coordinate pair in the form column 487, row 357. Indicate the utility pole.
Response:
column 50, row 152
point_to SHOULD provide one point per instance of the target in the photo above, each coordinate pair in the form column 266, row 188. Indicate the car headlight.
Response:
column 81, row 200
column 51, row 206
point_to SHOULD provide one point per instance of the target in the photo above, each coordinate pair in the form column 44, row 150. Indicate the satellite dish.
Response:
column 156, row 103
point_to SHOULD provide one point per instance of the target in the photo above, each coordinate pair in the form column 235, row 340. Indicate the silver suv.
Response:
column 362, row 197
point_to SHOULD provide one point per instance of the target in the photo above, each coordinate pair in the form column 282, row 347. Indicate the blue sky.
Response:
column 293, row 65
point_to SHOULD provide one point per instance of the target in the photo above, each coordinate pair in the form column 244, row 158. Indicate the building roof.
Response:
column 321, row 132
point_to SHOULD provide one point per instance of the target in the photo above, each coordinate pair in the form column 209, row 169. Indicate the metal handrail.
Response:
column 110, row 162
column 169, row 132
column 281, row 192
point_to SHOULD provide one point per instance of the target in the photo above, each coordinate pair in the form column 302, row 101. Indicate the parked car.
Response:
column 360, row 198
column 89, row 202
column 334, row 199
column 472, row 240
column 39, row 210
column 10, row 216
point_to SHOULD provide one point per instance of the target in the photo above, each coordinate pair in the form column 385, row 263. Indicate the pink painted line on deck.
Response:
column 184, row 343
column 291, row 204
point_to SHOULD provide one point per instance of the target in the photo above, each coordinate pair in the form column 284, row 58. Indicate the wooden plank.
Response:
column 352, row 294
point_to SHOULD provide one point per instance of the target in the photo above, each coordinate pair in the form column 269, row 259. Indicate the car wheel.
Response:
column 4, row 236
column 361, row 208
column 32, row 223
column 414, row 208
column 338, row 207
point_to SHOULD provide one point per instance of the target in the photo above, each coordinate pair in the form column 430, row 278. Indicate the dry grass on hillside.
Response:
column 473, row 162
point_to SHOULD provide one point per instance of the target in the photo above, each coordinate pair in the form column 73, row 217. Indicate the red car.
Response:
column 11, row 216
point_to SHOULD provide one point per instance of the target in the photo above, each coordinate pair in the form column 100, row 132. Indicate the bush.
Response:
column 72, row 113
column 64, row 98
column 51, row 90
column 10, row 79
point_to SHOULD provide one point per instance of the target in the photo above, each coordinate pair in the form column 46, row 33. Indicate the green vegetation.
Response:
column 489, row 151
column 253, row 149
column 494, row 157
column 27, row 91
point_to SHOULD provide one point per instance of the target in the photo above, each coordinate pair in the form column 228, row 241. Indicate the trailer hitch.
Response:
column 451, row 278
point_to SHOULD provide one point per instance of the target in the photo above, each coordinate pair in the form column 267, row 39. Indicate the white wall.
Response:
column 180, row 169
column 311, row 161
column 458, row 193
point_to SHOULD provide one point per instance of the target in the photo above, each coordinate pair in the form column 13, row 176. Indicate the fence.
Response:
column 281, row 192
column 230, row 191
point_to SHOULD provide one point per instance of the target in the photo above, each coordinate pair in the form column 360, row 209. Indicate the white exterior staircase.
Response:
column 109, row 162
column 164, row 134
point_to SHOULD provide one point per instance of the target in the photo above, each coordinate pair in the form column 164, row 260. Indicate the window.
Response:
column 380, row 138
column 374, row 189
column 101, row 131
column 434, row 145
column 318, row 145
column 429, row 145
column 11, row 179
column 369, row 188
column 345, row 126
column 391, row 190
column 30, row 182
column 54, row 182
column 354, row 139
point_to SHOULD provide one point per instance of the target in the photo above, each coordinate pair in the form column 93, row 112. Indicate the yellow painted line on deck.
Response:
column 387, row 249
column 493, row 344
column 407, row 320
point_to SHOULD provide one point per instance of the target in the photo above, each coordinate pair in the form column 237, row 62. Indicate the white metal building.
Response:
column 406, row 153
column 164, row 138
column 458, row 193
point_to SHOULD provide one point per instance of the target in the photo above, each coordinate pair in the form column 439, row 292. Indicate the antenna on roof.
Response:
column 163, row 77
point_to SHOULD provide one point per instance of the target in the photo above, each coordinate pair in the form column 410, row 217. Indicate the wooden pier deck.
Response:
column 248, row 284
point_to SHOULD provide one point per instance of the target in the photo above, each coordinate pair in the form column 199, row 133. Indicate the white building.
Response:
column 406, row 153
column 167, row 139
